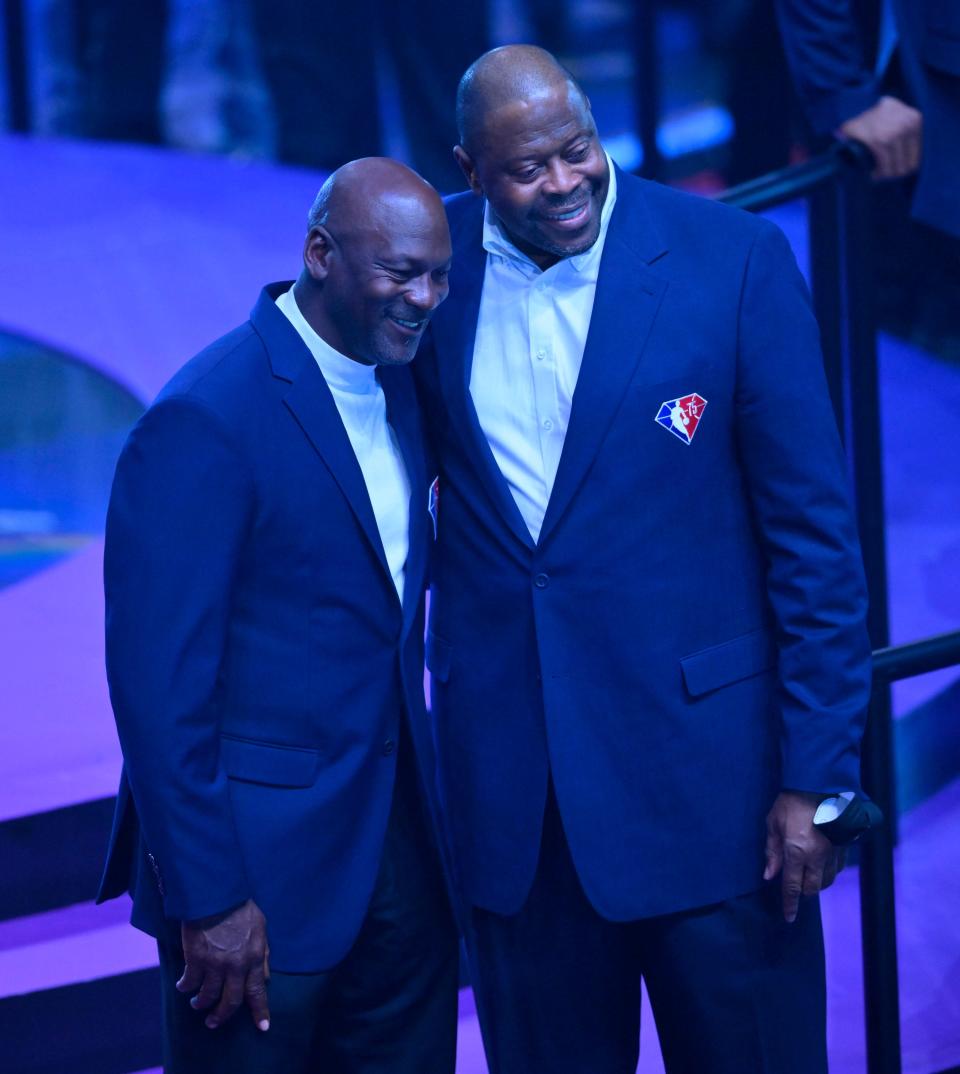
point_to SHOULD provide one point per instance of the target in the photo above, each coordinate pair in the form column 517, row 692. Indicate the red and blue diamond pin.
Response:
column 682, row 416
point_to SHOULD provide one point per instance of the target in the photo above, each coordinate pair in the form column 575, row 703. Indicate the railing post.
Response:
column 877, row 896
column 646, row 85
column 826, row 284
column 18, row 107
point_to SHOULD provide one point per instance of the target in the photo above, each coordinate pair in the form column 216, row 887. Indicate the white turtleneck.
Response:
column 363, row 411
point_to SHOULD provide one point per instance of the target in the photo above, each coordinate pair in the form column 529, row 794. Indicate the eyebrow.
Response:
column 571, row 141
column 404, row 264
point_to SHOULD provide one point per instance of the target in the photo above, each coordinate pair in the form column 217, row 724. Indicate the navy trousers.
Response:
column 734, row 989
column 390, row 1007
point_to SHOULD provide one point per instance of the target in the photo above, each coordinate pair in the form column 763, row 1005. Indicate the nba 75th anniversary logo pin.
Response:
column 682, row 416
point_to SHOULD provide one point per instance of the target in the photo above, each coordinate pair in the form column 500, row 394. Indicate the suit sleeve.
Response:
column 825, row 56
column 178, row 513
column 797, row 482
column 424, row 369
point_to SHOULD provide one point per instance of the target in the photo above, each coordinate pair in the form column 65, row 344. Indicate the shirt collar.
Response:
column 338, row 370
column 497, row 242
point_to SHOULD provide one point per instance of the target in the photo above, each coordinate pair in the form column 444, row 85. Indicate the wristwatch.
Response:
column 843, row 818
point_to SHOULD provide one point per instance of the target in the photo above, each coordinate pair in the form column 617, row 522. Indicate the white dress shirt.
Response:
column 363, row 411
column 531, row 333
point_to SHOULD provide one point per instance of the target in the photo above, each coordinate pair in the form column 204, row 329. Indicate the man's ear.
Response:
column 316, row 253
column 468, row 168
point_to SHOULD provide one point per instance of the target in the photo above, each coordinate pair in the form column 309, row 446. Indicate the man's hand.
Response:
column 809, row 861
column 893, row 132
column 227, row 959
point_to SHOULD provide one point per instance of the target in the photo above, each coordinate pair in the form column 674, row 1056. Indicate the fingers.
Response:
column 209, row 992
column 255, row 993
column 792, row 885
column 886, row 167
column 225, row 992
column 191, row 979
column 230, row 999
column 899, row 157
column 813, row 878
column 835, row 864
column 807, row 871
column 228, row 960
column 907, row 143
column 774, row 853
column 893, row 132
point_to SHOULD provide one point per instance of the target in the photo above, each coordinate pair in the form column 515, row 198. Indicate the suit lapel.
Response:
column 627, row 299
column 454, row 328
column 312, row 406
column 403, row 417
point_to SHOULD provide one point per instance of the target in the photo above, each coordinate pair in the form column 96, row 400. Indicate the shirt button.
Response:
column 548, row 425
column 388, row 747
column 541, row 581
column 541, row 354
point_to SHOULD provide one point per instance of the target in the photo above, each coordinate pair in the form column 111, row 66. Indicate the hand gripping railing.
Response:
column 837, row 185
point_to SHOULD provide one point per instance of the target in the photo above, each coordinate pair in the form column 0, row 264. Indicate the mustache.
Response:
column 406, row 314
column 567, row 201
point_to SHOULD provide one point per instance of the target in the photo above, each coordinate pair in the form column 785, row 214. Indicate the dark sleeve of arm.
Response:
column 178, row 514
column 796, row 478
column 428, row 399
column 430, row 404
column 825, row 56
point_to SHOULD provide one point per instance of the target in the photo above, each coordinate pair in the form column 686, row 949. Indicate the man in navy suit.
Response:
column 265, row 560
column 840, row 52
column 647, row 638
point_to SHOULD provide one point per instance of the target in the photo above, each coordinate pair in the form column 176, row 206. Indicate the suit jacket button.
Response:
column 541, row 581
column 388, row 747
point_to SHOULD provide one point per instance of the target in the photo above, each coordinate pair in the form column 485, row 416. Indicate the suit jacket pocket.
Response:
column 264, row 762
column 438, row 654
column 729, row 662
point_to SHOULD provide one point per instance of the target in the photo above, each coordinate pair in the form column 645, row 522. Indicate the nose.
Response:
column 425, row 293
column 561, row 179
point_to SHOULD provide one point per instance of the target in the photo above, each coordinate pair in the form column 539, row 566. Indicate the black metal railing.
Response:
column 917, row 657
column 14, row 58
column 877, row 914
column 837, row 186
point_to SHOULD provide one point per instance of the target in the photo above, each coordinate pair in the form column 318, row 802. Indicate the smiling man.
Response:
column 266, row 550
column 647, row 635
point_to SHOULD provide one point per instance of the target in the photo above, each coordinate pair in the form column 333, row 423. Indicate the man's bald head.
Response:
column 502, row 77
column 529, row 145
column 364, row 188
column 376, row 260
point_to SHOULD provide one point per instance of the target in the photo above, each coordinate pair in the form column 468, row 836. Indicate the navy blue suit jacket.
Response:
column 258, row 656
column 687, row 637
column 833, row 73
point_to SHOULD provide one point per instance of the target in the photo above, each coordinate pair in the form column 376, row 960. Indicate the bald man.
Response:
column 647, row 629
column 266, row 549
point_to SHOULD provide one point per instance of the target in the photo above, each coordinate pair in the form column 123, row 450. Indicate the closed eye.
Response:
column 398, row 274
column 526, row 174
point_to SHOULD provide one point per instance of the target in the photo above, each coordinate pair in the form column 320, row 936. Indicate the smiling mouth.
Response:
column 575, row 216
column 412, row 327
